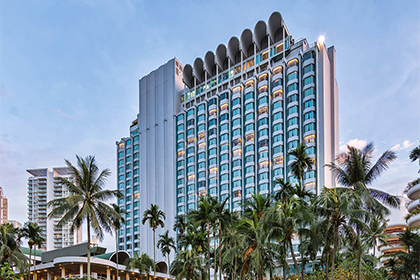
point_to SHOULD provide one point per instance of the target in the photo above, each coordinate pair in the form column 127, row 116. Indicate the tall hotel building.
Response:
column 225, row 126
column 3, row 207
column 43, row 186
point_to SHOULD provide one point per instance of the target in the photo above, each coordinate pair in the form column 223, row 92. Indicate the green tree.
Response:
column 302, row 162
column 118, row 221
column 87, row 201
column 9, row 247
column 33, row 233
column 156, row 218
column 256, row 203
column 143, row 263
column 415, row 154
column 375, row 233
column 188, row 265
column 223, row 221
column 180, row 224
column 204, row 217
column 166, row 244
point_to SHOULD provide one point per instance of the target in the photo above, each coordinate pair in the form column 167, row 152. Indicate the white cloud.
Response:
column 359, row 144
column 61, row 113
column 402, row 146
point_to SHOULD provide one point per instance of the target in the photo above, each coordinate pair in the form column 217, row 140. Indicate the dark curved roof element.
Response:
column 221, row 57
column 188, row 75
column 209, row 63
column 246, row 42
column 275, row 27
column 199, row 69
column 260, row 31
column 112, row 256
column 234, row 50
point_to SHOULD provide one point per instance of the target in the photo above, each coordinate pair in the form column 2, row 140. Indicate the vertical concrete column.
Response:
column 113, row 277
column 108, row 274
column 35, row 275
column 48, row 275
column 63, row 272
column 81, row 270
column 127, row 277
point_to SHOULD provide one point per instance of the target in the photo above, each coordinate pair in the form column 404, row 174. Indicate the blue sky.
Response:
column 69, row 73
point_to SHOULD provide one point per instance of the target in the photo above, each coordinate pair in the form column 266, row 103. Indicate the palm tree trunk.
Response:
column 169, row 263
column 220, row 254
column 294, row 259
column 327, row 263
column 116, row 250
column 88, row 247
column 154, row 253
column 214, row 253
column 208, row 250
column 34, row 261
column 334, row 251
column 359, row 265
column 30, row 262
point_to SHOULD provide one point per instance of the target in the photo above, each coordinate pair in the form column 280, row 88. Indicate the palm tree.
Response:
column 33, row 233
column 117, row 222
column 9, row 248
column 180, row 224
column 302, row 162
column 376, row 233
column 284, row 221
column 223, row 220
column 340, row 208
column 86, row 201
column 143, row 263
column 166, row 244
column 256, row 203
column 156, row 219
column 204, row 217
column 415, row 154
column 188, row 265
column 355, row 169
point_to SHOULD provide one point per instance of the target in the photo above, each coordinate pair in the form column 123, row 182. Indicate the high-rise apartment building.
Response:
column 227, row 130
column 3, row 207
column 44, row 185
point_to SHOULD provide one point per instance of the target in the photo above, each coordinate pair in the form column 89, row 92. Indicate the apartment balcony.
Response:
column 414, row 221
column 413, row 205
column 414, row 192
column 392, row 247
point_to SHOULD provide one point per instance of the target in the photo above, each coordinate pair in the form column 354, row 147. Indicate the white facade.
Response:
column 43, row 186
column 3, row 207
column 146, row 159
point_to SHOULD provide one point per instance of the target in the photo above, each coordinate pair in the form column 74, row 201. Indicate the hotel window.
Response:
column 263, row 164
column 309, row 139
column 212, row 122
column 262, row 100
column 292, row 98
column 311, row 151
column 213, row 112
column 180, row 136
column 308, row 68
column 237, row 173
column 191, row 168
column 249, row 191
column 249, row 148
column 249, row 83
column 224, row 157
column 224, row 127
column 121, row 170
column 249, row 137
column 191, row 178
column 224, row 197
column 263, row 132
column 224, row 147
column 212, row 161
column 121, row 162
column 292, row 76
column 190, row 159
column 190, row 206
column 212, row 101
column 191, row 197
column 292, row 121
column 309, row 80
column 278, row 160
column 277, row 149
column 249, row 116
column 128, row 151
column 191, row 188
column 277, row 82
column 237, row 152
column 249, row 180
column 201, row 127
column 263, row 143
column 213, row 190
column 249, row 95
column 224, row 187
column 263, row 110
column 309, row 103
column 202, row 146
column 249, row 127
column 277, row 93
column 293, row 144
column 179, row 191
column 310, row 186
column 190, row 112
column 224, row 117
column 237, row 194
column 236, row 163
column 180, row 118
column 293, row 132
column 201, row 107
column 236, row 122
column 224, row 167
column 212, row 132
column 263, row 176
column 309, row 127
column 136, row 138
column 224, row 137
column 308, row 55
column 224, row 177
column 181, row 172
column 263, row 187
column 201, row 118
column 180, row 127
column 309, row 91
column 211, row 152
column 278, row 69
column 249, row 106
column 293, row 62
column 292, row 87
column 292, row 110
column 190, row 150
column 237, row 184
column 201, row 165
column 263, row 154
column 278, row 116
column 310, row 115
column 181, row 182
column 191, row 140
column 309, row 175
column 237, row 111
column 236, row 132
column 121, row 178
column 212, row 171
column 236, row 101
column 190, row 132
column 250, row 169
column 263, row 89
column 224, row 107
column 190, row 122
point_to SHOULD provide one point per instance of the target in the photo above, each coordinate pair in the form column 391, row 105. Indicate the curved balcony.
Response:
column 414, row 192
column 393, row 247
column 413, row 205
column 414, row 221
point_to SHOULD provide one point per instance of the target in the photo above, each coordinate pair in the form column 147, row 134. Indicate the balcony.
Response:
column 414, row 192
column 413, row 205
column 414, row 221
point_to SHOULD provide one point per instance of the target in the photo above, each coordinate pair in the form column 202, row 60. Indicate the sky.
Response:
column 69, row 73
